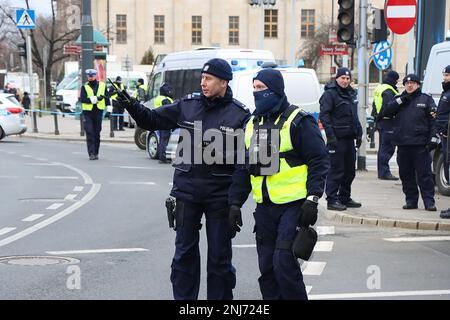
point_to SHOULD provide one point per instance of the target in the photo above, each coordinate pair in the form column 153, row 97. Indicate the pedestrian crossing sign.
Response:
column 25, row 19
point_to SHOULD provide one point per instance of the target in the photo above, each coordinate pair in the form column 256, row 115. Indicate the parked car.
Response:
column 12, row 116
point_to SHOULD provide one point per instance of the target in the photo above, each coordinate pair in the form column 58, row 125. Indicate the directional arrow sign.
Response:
column 400, row 15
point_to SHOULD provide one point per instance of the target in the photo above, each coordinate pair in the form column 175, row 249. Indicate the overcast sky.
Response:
column 41, row 7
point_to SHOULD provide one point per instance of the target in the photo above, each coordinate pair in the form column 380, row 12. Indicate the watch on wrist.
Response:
column 313, row 198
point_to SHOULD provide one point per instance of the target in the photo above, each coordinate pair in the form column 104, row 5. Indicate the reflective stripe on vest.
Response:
column 114, row 97
column 159, row 100
column 289, row 183
column 378, row 95
column 90, row 93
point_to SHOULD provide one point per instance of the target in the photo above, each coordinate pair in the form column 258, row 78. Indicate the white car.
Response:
column 12, row 116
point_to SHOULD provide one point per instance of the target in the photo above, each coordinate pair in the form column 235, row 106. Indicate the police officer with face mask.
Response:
column 415, row 136
column 339, row 117
column 201, row 187
column 286, row 188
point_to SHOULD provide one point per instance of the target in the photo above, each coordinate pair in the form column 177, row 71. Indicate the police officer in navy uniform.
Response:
column 443, row 114
column 93, row 102
column 383, row 94
column 288, row 195
column 339, row 117
column 201, row 188
column 415, row 137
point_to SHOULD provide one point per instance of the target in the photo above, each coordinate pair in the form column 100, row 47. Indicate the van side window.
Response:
column 154, row 86
column 176, row 79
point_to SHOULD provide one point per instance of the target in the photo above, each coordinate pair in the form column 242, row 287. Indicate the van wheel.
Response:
column 439, row 177
column 152, row 145
column 139, row 137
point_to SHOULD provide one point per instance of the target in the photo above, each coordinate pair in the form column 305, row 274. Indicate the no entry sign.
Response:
column 400, row 15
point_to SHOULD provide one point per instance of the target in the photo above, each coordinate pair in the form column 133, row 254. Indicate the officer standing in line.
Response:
column 93, row 102
column 199, row 187
column 443, row 114
column 288, row 196
column 165, row 97
column 141, row 92
column 339, row 117
column 383, row 94
column 118, row 110
column 414, row 135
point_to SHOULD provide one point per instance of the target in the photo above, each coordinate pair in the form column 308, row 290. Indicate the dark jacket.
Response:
column 413, row 123
column 384, row 122
column 195, row 180
column 26, row 101
column 309, row 148
column 339, row 113
column 443, row 111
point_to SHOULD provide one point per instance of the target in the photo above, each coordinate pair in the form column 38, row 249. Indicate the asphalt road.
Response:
column 108, row 217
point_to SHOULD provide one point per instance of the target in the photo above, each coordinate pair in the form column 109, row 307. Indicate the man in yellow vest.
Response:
column 383, row 94
column 118, row 110
column 93, row 102
column 165, row 97
column 286, row 190
column 141, row 93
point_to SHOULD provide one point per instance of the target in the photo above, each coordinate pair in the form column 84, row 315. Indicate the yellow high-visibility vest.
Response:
column 114, row 97
column 378, row 95
column 101, row 91
column 159, row 100
column 289, row 183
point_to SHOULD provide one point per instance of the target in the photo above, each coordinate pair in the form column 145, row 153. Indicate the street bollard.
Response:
column 81, row 125
column 111, row 131
column 35, row 129
column 55, row 118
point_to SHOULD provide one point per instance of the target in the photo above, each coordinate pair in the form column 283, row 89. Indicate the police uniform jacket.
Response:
column 194, row 180
column 338, row 112
column 413, row 123
column 309, row 148
column 443, row 112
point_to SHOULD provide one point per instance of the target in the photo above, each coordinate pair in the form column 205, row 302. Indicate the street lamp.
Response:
column 262, row 3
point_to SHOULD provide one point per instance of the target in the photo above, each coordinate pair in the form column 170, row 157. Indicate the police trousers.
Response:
column 221, row 275
column 92, row 121
column 275, row 227
column 385, row 152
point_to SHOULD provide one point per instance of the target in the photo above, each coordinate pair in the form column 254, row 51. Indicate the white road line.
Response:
column 418, row 239
column 56, row 177
column 313, row 268
column 9, row 177
column 41, row 159
column 323, row 246
column 324, row 230
column 88, row 197
column 40, row 164
column 131, row 167
column 97, row 251
column 87, row 179
column 32, row 217
column 244, row 245
column 70, row 196
column 10, row 152
column 55, row 206
column 308, row 289
column 6, row 230
column 379, row 294
column 133, row 182
column 78, row 189
column 27, row 156
column 401, row 11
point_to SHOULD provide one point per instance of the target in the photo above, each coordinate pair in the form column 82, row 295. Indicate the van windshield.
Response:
column 67, row 80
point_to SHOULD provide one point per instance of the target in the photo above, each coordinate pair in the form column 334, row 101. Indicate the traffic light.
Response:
column 346, row 18
column 380, row 31
column 22, row 49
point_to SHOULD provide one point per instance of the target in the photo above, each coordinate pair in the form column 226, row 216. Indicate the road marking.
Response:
column 308, row 289
column 88, row 197
column 131, row 167
column 27, row 156
column 323, row 246
column 56, row 177
column 132, row 182
column 70, row 197
column 324, row 230
column 313, row 268
column 97, row 251
column 418, row 239
column 87, row 179
column 6, row 230
column 55, row 206
column 40, row 164
column 9, row 177
column 244, row 245
column 32, row 217
column 78, row 189
column 378, row 294
column 10, row 152
column 41, row 159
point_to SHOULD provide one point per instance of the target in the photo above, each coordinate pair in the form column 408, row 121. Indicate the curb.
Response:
column 386, row 222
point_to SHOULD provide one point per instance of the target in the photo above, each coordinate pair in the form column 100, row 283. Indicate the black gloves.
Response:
column 126, row 102
column 100, row 98
column 235, row 218
column 358, row 142
column 308, row 214
column 433, row 144
column 332, row 143
column 404, row 98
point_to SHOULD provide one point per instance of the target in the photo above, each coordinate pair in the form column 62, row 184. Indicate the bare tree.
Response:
column 309, row 50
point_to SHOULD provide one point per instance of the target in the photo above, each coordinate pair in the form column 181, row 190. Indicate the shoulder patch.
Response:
column 192, row 96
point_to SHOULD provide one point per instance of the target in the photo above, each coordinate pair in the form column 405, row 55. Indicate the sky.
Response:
column 41, row 7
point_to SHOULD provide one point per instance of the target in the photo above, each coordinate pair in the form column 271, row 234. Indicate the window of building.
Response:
column 308, row 23
column 159, row 29
column 271, row 23
column 121, row 27
column 233, row 35
column 196, row 29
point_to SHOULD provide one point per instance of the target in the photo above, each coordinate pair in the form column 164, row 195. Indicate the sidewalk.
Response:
column 381, row 200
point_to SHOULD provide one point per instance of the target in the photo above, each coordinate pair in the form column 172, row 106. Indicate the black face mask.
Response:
column 446, row 86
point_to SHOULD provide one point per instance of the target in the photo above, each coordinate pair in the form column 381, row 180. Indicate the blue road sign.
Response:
column 25, row 19
column 382, row 60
